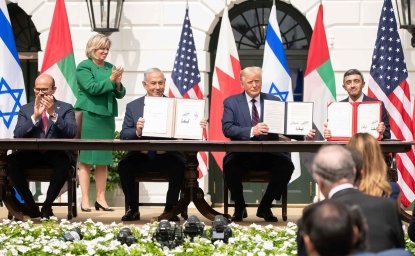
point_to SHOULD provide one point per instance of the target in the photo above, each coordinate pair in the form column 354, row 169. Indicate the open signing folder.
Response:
column 290, row 118
column 345, row 119
column 173, row 118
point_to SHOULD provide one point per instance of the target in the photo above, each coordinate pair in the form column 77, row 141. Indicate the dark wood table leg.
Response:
column 193, row 193
column 6, row 191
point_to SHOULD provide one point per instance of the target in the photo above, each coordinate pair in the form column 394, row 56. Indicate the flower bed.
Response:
column 27, row 238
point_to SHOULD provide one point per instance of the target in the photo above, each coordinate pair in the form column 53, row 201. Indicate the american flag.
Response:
column 388, row 84
column 186, row 76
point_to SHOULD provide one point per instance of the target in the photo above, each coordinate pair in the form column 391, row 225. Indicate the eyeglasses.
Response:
column 41, row 89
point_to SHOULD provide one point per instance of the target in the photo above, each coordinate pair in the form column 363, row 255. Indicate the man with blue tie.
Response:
column 45, row 118
column 242, row 120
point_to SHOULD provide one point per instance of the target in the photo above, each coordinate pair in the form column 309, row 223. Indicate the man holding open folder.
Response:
column 138, row 161
column 173, row 162
column 243, row 120
column 353, row 83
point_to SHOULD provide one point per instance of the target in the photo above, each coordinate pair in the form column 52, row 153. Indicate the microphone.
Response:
column 72, row 235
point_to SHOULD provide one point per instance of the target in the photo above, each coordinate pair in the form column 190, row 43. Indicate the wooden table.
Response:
column 193, row 193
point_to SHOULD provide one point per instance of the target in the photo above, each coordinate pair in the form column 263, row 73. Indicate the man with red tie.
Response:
column 242, row 120
column 45, row 118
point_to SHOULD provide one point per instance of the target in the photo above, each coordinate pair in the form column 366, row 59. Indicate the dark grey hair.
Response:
column 333, row 163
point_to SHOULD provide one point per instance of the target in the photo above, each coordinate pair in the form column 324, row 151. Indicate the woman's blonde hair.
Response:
column 373, row 180
column 98, row 41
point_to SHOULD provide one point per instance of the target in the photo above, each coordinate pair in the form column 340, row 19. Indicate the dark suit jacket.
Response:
column 385, row 118
column 382, row 215
column 134, row 111
column 65, row 126
column 236, row 121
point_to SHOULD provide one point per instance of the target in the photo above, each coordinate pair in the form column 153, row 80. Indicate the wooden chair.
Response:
column 153, row 176
column 260, row 176
column 44, row 174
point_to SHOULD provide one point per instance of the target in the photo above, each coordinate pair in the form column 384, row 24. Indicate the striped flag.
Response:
column 59, row 61
column 319, row 82
column 225, row 81
column 186, row 77
column 388, row 83
column 276, row 79
column 12, row 88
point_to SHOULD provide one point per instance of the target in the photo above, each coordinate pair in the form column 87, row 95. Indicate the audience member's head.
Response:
column 373, row 178
column 333, row 165
column 328, row 229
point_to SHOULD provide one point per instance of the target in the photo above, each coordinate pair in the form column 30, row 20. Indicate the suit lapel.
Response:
column 244, row 109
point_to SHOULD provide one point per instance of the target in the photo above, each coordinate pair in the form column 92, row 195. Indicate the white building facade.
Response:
column 150, row 31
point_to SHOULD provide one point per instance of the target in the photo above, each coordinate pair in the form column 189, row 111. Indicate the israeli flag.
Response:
column 12, row 89
column 276, row 79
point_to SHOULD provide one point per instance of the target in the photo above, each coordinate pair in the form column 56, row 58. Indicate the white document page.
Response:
column 189, row 113
column 339, row 118
column 299, row 118
column 157, row 115
column 274, row 115
column 368, row 117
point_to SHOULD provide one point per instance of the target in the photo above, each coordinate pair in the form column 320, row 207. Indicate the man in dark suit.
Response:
column 242, row 120
column 353, row 83
column 45, row 118
column 334, row 171
column 135, row 161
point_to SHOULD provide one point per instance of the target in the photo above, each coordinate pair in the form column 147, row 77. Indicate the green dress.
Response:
column 97, row 99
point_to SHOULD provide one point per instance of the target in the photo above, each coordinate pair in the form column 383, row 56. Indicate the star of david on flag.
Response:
column 273, row 90
column 9, row 111
column 12, row 92
column 276, row 79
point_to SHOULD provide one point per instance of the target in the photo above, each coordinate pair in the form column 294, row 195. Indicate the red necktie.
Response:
column 255, row 116
column 44, row 121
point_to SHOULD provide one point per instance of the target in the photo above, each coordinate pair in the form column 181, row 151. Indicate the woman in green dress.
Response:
column 99, row 85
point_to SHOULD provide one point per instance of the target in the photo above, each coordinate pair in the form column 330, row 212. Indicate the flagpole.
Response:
column 273, row 2
column 187, row 4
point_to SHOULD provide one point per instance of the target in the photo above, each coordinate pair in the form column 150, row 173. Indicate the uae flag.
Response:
column 319, row 83
column 59, row 59
column 225, row 81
